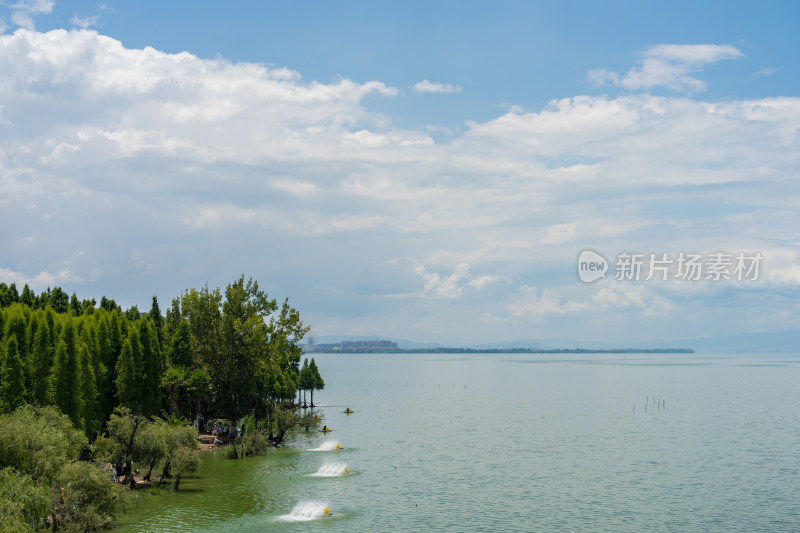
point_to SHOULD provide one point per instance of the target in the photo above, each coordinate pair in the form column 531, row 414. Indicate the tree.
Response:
column 317, row 382
column 41, row 361
column 174, row 381
column 27, row 296
column 151, row 370
column 90, row 407
column 12, row 379
column 65, row 380
column 75, row 305
column 59, row 300
column 180, row 349
column 158, row 322
column 42, row 447
column 128, row 373
column 23, row 503
column 198, row 387
column 306, row 381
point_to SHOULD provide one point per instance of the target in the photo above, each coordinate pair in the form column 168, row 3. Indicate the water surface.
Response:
column 598, row 442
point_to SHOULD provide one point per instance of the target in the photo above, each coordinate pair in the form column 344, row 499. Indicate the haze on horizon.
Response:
column 423, row 171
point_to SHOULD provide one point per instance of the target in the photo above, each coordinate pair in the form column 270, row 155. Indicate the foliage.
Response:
column 23, row 503
column 39, row 454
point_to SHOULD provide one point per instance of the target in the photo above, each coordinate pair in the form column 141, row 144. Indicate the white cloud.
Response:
column 40, row 281
column 452, row 286
column 785, row 276
column 668, row 65
column 23, row 20
column 482, row 281
column 106, row 147
column 528, row 303
column 426, row 86
column 766, row 71
column 85, row 22
column 443, row 286
column 23, row 10
column 34, row 6
column 611, row 298
column 560, row 233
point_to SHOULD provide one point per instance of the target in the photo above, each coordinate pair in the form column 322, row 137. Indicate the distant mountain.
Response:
column 401, row 343
column 763, row 342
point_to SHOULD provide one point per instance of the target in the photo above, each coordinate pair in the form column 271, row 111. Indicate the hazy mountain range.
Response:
column 765, row 342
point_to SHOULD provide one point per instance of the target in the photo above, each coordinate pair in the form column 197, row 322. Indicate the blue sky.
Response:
column 415, row 170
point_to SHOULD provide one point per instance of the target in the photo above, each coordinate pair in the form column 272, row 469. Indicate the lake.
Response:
column 599, row 442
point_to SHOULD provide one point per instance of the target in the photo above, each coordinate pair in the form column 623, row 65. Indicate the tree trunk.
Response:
column 177, row 482
column 165, row 472
column 150, row 470
column 312, row 398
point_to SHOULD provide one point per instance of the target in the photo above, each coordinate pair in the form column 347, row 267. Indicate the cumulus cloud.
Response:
column 209, row 168
column 426, row 86
column 668, row 65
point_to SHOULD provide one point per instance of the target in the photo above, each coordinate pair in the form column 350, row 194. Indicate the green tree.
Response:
column 181, row 352
column 151, row 370
column 41, row 361
column 59, row 300
column 90, row 407
column 75, row 305
column 317, row 382
column 65, row 382
column 158, row 322
column 23, row 503
column 12, row 378
column 306, row 381
column 128, row 372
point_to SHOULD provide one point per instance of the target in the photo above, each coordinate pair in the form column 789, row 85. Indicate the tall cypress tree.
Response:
column 90, row 412
column 158, row 321
column 65, row 381
column 127, row 379
column 41, row 361
column 151, row 368
column 12, row 379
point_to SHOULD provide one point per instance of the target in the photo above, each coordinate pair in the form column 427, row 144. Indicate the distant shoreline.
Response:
column 509, row 350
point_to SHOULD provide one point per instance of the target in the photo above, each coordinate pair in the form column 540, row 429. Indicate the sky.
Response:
column 429, row 171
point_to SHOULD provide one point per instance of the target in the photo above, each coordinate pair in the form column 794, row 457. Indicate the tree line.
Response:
column 127, row 380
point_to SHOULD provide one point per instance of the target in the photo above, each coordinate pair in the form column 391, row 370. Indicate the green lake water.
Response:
column 518, row 443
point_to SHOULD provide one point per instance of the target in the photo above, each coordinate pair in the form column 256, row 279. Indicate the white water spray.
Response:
column 332, row 469
column 306, row 511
